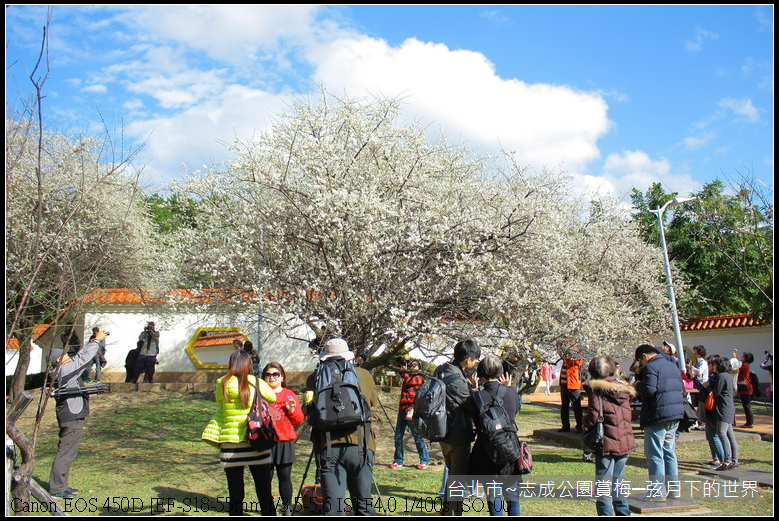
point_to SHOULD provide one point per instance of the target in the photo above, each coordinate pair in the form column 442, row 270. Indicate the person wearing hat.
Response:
column 346, row 465
column 662, row 407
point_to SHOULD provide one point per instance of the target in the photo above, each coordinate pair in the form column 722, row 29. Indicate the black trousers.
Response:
column 262, row 475
column 574, row 397
column 145, row 365
column 746, row 402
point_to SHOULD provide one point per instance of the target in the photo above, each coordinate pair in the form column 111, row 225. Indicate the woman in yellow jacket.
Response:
column 227, row 430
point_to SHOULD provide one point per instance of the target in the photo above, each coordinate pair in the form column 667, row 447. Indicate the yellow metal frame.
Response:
column 191, row 347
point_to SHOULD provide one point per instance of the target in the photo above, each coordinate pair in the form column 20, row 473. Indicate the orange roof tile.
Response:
column 222, row 339
column 140, row 296
column 14, row 344
column 721, row 322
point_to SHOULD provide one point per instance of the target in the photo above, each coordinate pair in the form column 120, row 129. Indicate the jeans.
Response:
column 727, row 438
column 347, row 467
column 611, row 469
column 400, row 431
column 508, row 504
column 442, row 492
column 660, row 452
column 98, row 368
column 715, row 446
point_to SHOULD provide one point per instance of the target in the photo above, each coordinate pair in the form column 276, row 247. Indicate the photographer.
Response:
column 98, row 361
column 768, row 365
column 147, row 357
column 72, row 411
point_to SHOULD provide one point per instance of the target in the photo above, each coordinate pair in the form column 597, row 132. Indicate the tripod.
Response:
column 318, row 493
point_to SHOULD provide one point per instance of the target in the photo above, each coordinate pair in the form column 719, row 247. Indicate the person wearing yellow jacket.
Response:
column 227, row 430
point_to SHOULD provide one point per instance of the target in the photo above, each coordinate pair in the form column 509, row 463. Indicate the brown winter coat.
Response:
column 617, row 430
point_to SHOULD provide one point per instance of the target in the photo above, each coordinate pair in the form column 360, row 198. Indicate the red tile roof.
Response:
column 222, row 339
column 141, row 296
column 721, row 322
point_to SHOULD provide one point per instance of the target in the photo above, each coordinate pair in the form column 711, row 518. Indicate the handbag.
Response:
column 313, row 500
column 261, row 424
column 710, row 403
column 592, row 439
column 525, row 460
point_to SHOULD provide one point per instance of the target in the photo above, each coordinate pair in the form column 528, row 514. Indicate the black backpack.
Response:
column 500, row 431
column 430, row 408
column 338, row 401
column 755, row 385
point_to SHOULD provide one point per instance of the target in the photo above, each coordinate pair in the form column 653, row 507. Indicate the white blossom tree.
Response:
column 352, row 220
column 73, row 222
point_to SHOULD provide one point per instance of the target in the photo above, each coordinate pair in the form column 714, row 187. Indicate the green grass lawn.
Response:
column 148, row 458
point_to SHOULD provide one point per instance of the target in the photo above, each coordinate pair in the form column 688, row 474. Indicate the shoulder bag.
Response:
column 592, row 439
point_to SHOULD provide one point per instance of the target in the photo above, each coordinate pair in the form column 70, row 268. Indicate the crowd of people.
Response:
column 345, row 457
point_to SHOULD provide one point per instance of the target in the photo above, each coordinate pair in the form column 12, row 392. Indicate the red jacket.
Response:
column 408, row 393
column 743, row 377
column 572, row 367
column 286, row 425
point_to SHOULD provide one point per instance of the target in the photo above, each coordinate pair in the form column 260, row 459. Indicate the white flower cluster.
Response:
column 342, row 213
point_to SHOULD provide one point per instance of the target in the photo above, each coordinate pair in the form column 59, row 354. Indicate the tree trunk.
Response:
column 20, row 374
column 20, row 478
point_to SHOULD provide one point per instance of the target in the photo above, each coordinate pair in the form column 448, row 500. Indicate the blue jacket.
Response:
column 661, row 391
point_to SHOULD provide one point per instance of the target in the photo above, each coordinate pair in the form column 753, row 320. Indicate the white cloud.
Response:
column 696, row 142
column 230, row 33
column 701, row 35
column 636, row 169
column 96, row 89
column 495, row 16
column 202, row 132
column 741, row 107
column 459, row 90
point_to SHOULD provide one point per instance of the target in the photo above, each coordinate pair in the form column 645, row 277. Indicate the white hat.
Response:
column 336, row 347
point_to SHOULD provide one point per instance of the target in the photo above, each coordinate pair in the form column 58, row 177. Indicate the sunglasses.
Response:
column 274, row 375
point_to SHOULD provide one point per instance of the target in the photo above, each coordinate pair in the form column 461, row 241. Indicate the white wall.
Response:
column 175, row 333
column 755, row 340
column 12, row 359
column 721, row 342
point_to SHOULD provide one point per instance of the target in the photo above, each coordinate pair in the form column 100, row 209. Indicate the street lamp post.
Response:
column 674, row 312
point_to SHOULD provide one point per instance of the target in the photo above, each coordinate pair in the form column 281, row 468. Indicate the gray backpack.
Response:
column 430, row 408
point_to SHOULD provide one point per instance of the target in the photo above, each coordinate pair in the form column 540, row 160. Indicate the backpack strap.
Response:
column 449, row 378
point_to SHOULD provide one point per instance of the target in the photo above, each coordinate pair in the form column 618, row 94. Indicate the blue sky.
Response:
column 616, row 96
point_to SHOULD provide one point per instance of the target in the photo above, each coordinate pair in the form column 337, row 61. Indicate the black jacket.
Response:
column 459, row 426
column 479, row 462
